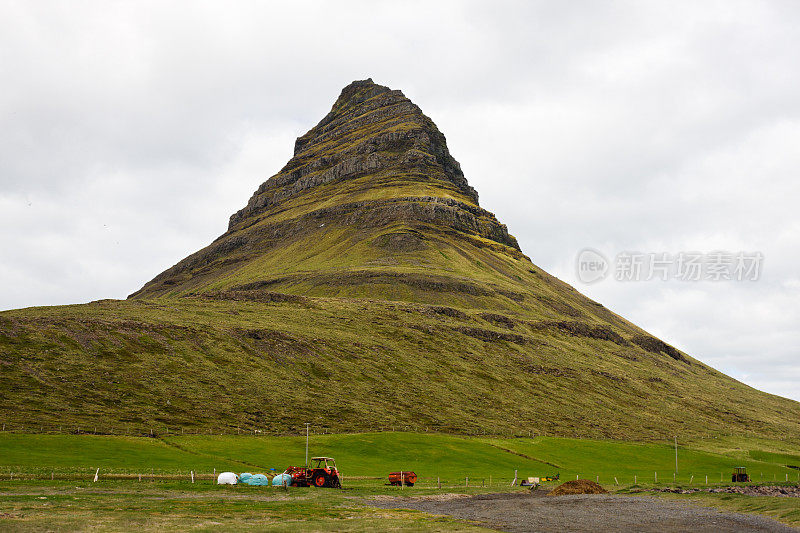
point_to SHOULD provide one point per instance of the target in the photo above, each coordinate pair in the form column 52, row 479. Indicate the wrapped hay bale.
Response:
column 282, row 480
column 258, row 479
column 227, row 478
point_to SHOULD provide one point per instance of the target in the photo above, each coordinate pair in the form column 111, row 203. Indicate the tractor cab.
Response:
column 740, row 475
column 325, row 463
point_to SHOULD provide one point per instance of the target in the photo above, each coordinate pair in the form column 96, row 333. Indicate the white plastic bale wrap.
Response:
column 227, row 478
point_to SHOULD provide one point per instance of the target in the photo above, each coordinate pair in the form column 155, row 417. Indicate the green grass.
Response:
column 784, row 458
column 125, row 506
column 624, row 460
column 365, row 459
column 43, row 454
column 374, row 455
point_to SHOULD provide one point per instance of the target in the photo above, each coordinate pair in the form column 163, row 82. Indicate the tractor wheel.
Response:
column 335, row 483
column 408, row 484
column 320, row 480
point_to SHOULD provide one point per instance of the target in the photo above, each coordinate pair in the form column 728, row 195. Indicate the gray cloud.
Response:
column 131, row 131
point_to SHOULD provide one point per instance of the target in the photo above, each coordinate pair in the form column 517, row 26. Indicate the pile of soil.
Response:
column 578, row 486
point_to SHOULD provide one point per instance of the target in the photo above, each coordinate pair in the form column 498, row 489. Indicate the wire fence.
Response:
column 157, row 430
column 663, row 478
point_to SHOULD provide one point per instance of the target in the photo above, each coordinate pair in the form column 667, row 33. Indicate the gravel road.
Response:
column 586, row 513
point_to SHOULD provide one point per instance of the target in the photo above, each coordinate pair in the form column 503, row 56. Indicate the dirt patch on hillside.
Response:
column 446, row 311
column 254, row 295
column 578, row 486
column 580, row 329
column 653, row 345
column 488, row 335
column 499, row 320
column 401, row 241
column 591, row 513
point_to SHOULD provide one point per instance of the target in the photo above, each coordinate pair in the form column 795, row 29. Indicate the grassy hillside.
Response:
column 349, row 364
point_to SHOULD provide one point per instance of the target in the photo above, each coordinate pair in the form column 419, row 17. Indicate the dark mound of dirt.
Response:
column 578, row 486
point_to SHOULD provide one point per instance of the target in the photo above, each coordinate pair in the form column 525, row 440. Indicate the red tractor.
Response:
column 321, row 473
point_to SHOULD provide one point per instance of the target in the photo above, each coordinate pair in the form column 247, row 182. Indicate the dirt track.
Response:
column 586, row 513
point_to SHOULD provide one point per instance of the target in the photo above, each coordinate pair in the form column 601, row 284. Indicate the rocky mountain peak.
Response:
column 370, row 129
column 373, row 179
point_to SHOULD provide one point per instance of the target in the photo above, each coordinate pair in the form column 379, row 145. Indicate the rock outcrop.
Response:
column 370, row 129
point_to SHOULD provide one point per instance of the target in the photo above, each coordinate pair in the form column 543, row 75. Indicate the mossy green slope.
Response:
column 361, row 287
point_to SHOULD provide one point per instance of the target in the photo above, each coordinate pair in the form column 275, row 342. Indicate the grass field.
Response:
column 165, row 498
column 166, row 506
column 373, row 455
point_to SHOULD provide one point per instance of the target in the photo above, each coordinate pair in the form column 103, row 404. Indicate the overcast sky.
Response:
column 130, row 132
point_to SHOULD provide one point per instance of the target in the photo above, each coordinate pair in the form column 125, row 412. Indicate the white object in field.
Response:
column 95, row 475
column 227, row 478
column 533, row 480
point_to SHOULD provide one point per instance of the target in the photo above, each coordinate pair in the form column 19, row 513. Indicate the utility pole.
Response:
column 308, row 424
column 676, row 455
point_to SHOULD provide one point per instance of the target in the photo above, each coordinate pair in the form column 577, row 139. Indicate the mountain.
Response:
column 371, row 205
column 364, row 287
